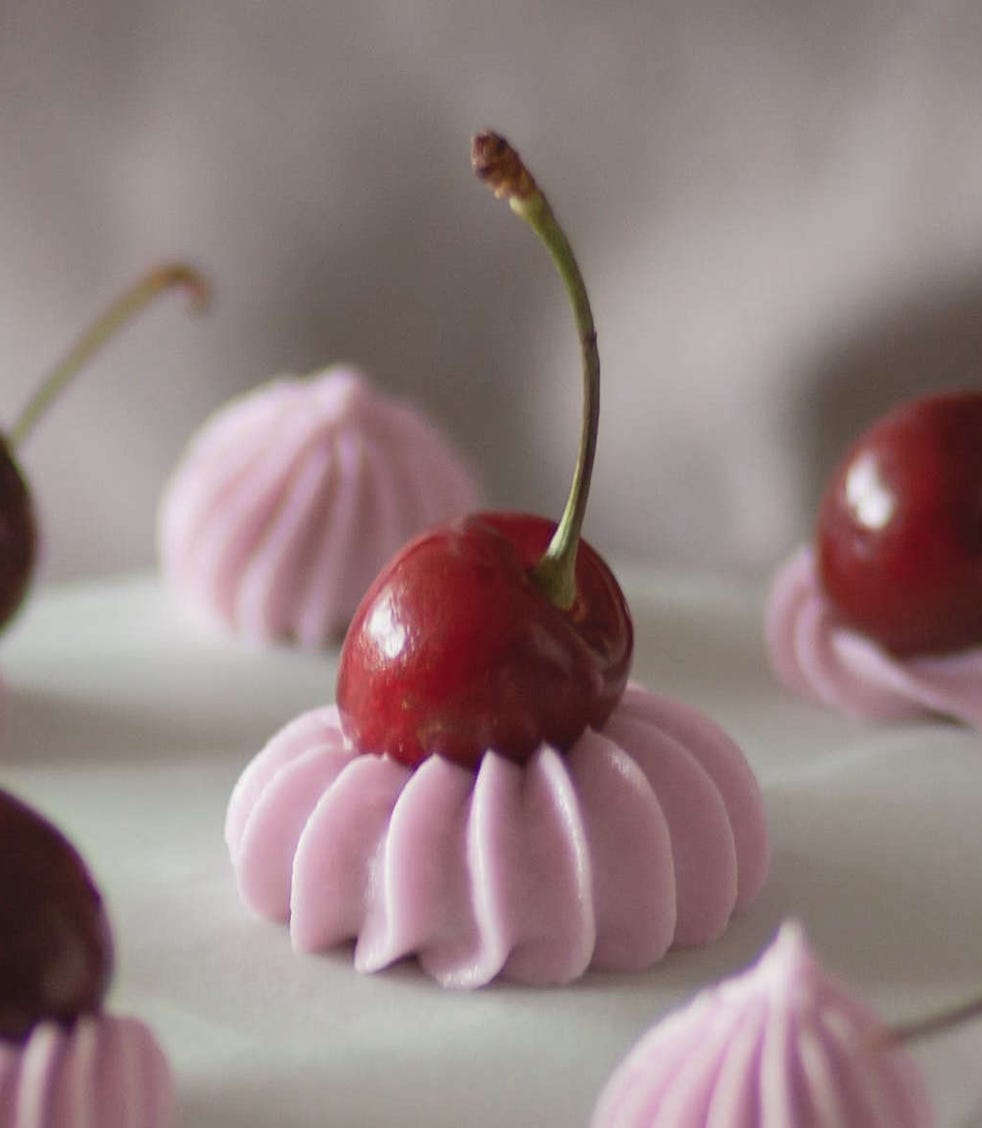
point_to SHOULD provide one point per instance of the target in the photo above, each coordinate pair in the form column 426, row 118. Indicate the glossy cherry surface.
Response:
column 456, row 650
column 55, row 945
column 899, row 540
column 500, row 631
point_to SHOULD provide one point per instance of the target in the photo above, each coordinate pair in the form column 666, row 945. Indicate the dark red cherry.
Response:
column 500, row 631
column 18, row 530
column 900, row 528
column 455, row 649
column 18, row 536
column 56, row 953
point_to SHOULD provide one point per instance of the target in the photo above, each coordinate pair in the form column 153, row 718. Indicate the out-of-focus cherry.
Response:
column 56, row 954
column 18, row 526
column 899, row 540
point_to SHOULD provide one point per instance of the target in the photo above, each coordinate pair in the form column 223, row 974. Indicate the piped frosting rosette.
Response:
column 816, row 656
column 783, row 1044
column 648, row 833
column 103, row 1072
column 290, row 499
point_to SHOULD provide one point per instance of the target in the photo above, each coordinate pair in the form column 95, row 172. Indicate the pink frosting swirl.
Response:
column 647, row 833
column 290, row 499
column 106, row 1072
column 781, row 1044
column 820, row 659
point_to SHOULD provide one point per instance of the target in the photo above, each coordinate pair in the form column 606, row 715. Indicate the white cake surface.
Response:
column 128, row 726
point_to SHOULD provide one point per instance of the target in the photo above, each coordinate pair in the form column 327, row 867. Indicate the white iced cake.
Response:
column 128, row 726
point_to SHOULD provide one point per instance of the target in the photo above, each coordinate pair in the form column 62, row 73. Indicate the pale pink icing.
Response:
column 106, row 1072
column 822, row 660
column 647, row 833
column 291, row 498
column 783, row 1044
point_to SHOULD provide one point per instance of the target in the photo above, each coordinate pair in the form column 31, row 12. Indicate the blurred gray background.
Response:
column 778, row 207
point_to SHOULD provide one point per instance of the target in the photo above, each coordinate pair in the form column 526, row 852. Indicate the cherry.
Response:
column 18, row 535
column 501, row 630
column 56, row 955
column 455, row 649
column 899, row 540
column 18, row 527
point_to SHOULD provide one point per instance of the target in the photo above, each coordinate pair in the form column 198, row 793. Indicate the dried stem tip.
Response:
column 170, row 275
column 501, row 168
column 132, row 300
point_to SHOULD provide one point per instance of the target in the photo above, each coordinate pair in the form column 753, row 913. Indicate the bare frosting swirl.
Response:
column 784, row 1044
column 290, row 499
column 647, row 833
column 820, row 659
column 104, row 1072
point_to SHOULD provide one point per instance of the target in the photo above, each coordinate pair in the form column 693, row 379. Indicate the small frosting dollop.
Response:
column 784, row 1044
column 105, row 1071
column 819, row 658
column 648, row 833
column 290, row 499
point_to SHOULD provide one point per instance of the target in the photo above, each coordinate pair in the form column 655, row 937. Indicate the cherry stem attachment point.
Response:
column 122, row 310
column 500, row 166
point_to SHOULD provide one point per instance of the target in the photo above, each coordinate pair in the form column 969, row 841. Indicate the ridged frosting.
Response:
column 105, row 1072
column 822, row 660
column 647, row 833
column 290, row 499
column 783, row 1045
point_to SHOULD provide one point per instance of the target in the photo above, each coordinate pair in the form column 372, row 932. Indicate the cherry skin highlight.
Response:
column 455, row 649
column 56, row 956
column 899, row 538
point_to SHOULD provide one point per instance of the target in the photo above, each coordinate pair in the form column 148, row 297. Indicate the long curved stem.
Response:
column 933, row 1024
column 497, row 163
column 125, row 307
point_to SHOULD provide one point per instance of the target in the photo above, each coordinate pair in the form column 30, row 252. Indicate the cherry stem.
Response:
column 122, row 310
column 920, row 1028
column 497, row 163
